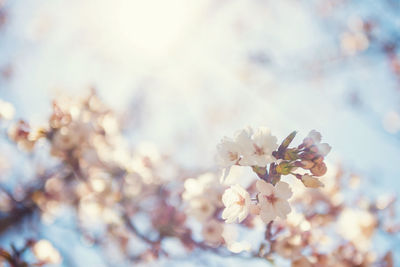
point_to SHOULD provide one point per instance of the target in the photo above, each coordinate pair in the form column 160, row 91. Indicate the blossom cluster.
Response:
column 259, row 150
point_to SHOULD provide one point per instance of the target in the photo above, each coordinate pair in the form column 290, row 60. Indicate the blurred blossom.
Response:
column 45, row 252
column 357, row 226
column 7, row 110
column 212, row 232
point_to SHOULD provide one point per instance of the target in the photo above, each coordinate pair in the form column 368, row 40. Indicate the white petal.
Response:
column 240, row 190
column 225, row 149
column 260, row 161
column 230, row 212
column 243, row 214
column 225, row 173
column 229, row 197
column 264, row 139
column 230, row 219
column 261, row 132
column 243, row 137
column 264, row 187
column 247, row 160
column 282, row 190
column 315, row 136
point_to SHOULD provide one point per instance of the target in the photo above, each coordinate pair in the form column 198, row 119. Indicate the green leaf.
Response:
column 287, row 140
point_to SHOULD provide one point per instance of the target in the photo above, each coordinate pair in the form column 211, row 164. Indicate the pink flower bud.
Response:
column 307, row 164
column 318, row 160
column 319, row 169
column 311, row 182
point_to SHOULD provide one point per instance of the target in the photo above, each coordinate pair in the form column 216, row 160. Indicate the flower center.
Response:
column 258, row 150
column 271, row 198
column 210, row 230
column 204, row 208
column 241, row 201
column 233, row 156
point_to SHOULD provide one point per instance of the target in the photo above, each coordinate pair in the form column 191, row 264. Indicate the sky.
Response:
column 187, row 73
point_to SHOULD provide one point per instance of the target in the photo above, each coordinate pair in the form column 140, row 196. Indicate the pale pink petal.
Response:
column 324, row 149
column 267, row 213
column 243, row 137
column 246, row 160
column 264, row 187
column 315, row 136
column 282, row 208
column 282, row 190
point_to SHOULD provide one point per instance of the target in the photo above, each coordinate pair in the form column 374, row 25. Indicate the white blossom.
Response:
column 205, row 184
column 273, row 200
column 230, row 151
column 357, row 226
column 259, row 153
column 44, row 251
column 237, row 204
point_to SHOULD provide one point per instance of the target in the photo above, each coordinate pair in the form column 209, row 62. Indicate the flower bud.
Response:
column 311, row 182
column 314, row 149
column 307, row 156
column 308, row 142
column 291, row 154
column 319, row 169
column 318, row 160
column 307, row 164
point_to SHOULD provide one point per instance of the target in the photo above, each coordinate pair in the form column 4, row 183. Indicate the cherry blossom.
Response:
column 259, row 153
column 231, row 151
column 273, row 200
column 237, row 204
